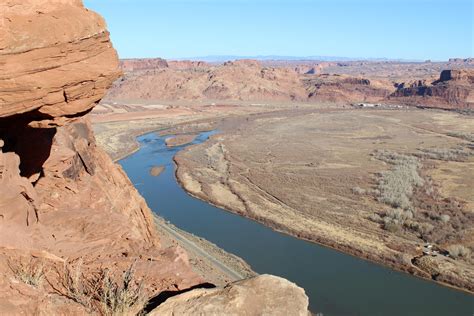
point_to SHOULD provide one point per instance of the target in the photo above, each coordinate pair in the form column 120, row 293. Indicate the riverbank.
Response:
column 208, row 260
column 337, row 284
column 117, row 125
column 119, row 140
column 360, row 243
column 310, row 195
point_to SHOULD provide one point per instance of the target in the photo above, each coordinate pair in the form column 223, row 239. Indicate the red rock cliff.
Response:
column 62, row 199
column 453, row 90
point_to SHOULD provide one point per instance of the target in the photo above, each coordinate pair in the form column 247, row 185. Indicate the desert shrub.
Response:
column 464, row 135
column 30, row 272
column 75, row 285
column 444, row 218
column 395, row 218
column 459, row 251
column 391, row 226
column 375, row 218
column 102, row 292
column 120, row 298
column 421, row 228
column 396, row 185
column 403, row 258
column 399, row 215
column 375, row 192
column 358, row 191
column 447, row 154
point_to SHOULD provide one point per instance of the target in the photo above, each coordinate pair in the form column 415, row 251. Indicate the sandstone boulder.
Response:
column 56, row 59
column 261, row 295
column 62, row 199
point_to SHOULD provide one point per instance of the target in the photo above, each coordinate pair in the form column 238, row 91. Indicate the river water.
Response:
column 336, row 283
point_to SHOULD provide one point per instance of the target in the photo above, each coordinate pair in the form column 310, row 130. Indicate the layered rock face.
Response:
column 62, row 200
column 453, row 90
column 346, row 89
column 63, row 46
column 64, row 205
column 244, row 80
column 241, row 80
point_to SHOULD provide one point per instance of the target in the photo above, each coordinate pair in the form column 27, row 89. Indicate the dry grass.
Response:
column 30, row 272
column 75, row 285
column 120, row 298
column 103, row 292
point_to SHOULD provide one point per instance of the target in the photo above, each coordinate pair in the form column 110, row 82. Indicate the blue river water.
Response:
column 336, row 283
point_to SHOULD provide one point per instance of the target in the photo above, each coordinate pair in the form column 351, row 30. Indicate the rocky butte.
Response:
column 453, row 90
column 70, row 220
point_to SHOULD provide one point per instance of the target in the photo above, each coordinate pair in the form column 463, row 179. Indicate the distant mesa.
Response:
column 339, row 82
column 457, row 75
column 128, row 65
column 453, row 90
column 187, row 64
column 243, row 62
column 462, row 60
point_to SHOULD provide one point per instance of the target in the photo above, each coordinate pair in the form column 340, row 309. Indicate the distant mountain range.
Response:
column 223, row 58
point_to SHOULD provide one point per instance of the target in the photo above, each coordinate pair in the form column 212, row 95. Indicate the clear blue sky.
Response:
column 408, row 29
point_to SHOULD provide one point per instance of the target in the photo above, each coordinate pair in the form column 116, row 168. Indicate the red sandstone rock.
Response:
column 42, row 41
column 453, row 90
column 262, row 295
column 187, row 64
column 247, row 80
column 61, row 197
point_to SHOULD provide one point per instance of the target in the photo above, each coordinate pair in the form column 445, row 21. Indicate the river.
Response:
column 336, row 283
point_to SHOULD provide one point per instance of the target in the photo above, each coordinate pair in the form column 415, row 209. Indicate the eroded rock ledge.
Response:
column 56, row 59
column 261, row 295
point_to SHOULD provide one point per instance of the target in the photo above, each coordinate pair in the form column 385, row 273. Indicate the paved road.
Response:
column 199, row 251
